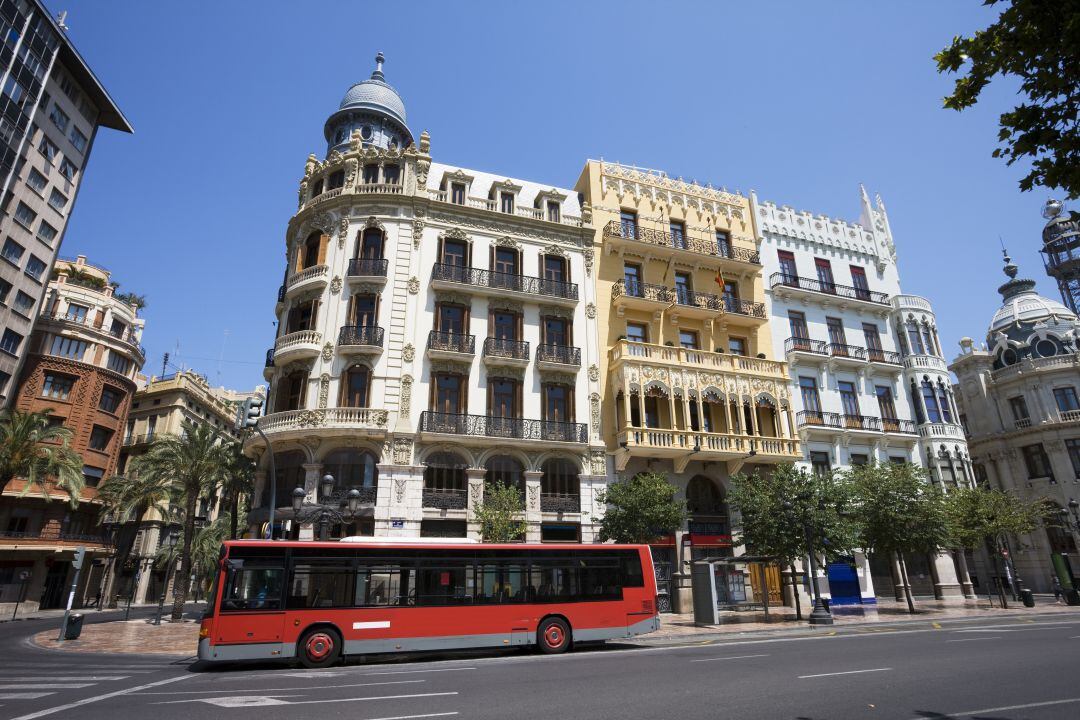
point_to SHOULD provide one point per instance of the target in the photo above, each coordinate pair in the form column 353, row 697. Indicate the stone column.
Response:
column 898, row 579
column 532, row 504
column 475, row 491
column 966, row 585
column 946, row 584
column 312, row 474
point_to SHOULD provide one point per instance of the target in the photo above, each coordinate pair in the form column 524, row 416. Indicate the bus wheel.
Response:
column 553, row 637
column 319, row 648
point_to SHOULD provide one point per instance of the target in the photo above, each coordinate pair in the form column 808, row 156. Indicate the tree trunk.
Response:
column 180, row 584
column 907, row 583
column 795, row 592
column 995, row 555
column 124, row 552
column 234, row 504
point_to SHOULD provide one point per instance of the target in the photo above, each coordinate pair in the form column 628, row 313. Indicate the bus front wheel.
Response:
column 319, row 648
column 553, row 637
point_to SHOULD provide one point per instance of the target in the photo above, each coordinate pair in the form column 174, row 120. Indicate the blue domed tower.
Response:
column 374, row 108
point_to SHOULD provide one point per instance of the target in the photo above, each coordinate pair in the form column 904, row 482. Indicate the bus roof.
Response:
column 446, row 543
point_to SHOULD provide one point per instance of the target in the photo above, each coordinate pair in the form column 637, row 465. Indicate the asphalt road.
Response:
column 1003, row 669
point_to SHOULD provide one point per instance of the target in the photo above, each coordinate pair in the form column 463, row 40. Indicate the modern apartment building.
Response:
column 81, row 361
column 870, row 378
column 51, row 106
column 436, row 332
column 1018, row 395
column 690, row 383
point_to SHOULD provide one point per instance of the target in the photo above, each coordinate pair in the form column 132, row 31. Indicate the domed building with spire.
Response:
column 1019, row 398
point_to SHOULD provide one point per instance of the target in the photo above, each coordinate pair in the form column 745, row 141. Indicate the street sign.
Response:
column 396, row 524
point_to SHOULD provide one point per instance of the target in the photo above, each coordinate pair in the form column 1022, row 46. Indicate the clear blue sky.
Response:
column 799, row 101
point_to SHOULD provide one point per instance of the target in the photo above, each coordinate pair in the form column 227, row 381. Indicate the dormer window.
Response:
column 336, row 180
column 391, row 174
column 371, row 174
column 457, row 193
column 506, row 202
column 552, row 211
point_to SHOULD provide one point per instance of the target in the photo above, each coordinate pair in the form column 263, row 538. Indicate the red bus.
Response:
column 319, row 601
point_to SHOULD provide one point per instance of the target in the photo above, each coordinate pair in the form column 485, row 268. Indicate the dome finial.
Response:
column 1052, row 209
column 378, row 74
column 1010, row 269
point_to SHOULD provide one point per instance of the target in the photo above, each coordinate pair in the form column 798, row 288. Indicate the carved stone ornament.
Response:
column 368, row 289
column 335, row 285
column 476, row 491
column 555, row 311
column 594, row 410
column 406, row 395
column 450, row 366
column 403, row 451
column 418, row 226
column 452, row 298
column 590, row 311
column 455, row 233
column 499, row 303
column 310, row 418
column 510, row 373
column 328, row 352
column 343, row 232
column 323, row 221
column 534, row 497
column 559, row 378
column 594, row 373
column 598, row 461
column 324, row 389
column 414, row 285
column 507, row 241
column 555, row 250
column 408, row 352
column 399, row 490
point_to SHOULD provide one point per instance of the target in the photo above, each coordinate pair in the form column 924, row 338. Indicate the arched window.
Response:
column 506, row 470
column 356, row 387
column 351, row 469
column 703, row 497
column 943, row 400
column 289, row 467
column 445, row 471
column 933, row 411
column 914, row 338
column 291, row 391
column 370, row 244
column 336, row 180
column 560, row 478
column 309, row 254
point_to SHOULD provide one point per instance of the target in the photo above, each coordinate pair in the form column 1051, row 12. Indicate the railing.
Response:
column 368, row 495
column 680, row 241
column 270, row 358
column 780, row 279
column 562, row 354
column 1022, row 423
column 883, row 356
column 281, row 293
column 911, row 302
column 310, row 273
column 806, row 345
column 896, row 425
column 346, row 417
column 645, row 291
column 929, row 362
column 947, row 430
column 323, row 196
column 504, row 281
column 361, row 335
column 451, row 342
column 502, row 427
column 127, row 335
column 510, row 349
column 862, row 422
column 372, row 188
column 847, row 351
column 300, row 337
column 368, row 267
column 55, row 535
column 493, row 206
column 697, row 441
column 560, row 502
column 445, row 499
column 628, row 350
column 140, row 439
column 1037, row 364
column 692, row 298
column 1069, row 415
column 744, row 307
column 818, row 418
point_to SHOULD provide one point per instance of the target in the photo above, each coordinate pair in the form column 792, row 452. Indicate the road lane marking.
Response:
column 61, row 678
column 41, row 686
column 994, row 637
column 733, row 657
column 846, row 672
column 343, row 673
column 984, row 711
column 96, row 698
column 256, row 690
column 24, row 696
column 258, row 700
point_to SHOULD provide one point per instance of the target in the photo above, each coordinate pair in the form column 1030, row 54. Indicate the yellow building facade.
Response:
column 689, row 381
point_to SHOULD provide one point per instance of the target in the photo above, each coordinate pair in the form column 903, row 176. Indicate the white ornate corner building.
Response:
column 871, row 383
column 436, row 331
column 1019, row 397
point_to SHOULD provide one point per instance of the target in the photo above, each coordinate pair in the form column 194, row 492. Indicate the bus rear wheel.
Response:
column 319, row 648
column 553, row 636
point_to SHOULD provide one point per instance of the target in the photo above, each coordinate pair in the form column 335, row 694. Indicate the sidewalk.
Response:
column 140, row 637
column 87, row 611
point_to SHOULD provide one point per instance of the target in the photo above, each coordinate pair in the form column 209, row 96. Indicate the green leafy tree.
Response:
column 777, row 508
column 499, row 514
column 40, row 454
column 1035, row 42
column 205, row 552
column 192, row 465
column 899, row 513
column 640, row 509
column 238, row 484
column 126, row 500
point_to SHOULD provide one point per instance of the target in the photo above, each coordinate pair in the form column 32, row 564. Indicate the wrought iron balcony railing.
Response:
column 560, row 502
column 451, row 342
column 780, row 279
column 744, row 307
column 896, row 425
column 816, row 417
column 645, row 291
column 504, row 281
column 502, row 427
column 883, row 356
column 801, row 344
column 847, row 351
column 510, row 349
column 563, row 354
column 368, row 267
column 693, row 298
column 680, row 241
column 361, row 335
column 445, row 498
column 862, row 422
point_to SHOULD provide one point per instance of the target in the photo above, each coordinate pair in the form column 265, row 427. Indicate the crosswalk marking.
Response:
column 24, row 696
column 40, row 686
column 61, row 678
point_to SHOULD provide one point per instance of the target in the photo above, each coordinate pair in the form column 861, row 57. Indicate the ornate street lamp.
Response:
column 820, row 615
column 326, row 511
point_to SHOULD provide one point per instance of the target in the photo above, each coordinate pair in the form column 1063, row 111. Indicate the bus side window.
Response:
column 253, row 588
column 381, row 585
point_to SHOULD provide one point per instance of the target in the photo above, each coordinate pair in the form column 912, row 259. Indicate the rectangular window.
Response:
column 506, row 261
column 637, row 332
column 1072, row 445
column 448, row 391
column 678, row 234
column 57, row 386
column 632, row 280
column 788, row 274
column 552, row 211
column 885, row 402
column 451, row 319
column 457, row 193
column 36, row 181
column 320, row 585
column 915, row 339
column 836, row 334
column 24, row 303
column 12, row 251
column 628, row 223
column 683, row 288
column 872, row 338
column 59, row 118
column 454, row 253
column 391, row 174
column 110, row 399
column 555, row 268
column 824, row 275
column 1019, row 408
column 797, row 323
column 35, row 267
column 723, row 243
column 254, row 588
column 4, row 377
column 67, row 347
column 506, row 202
column 78, row 139
column 68, row 169
column 5, row 288
column 858, row 280
column 737, row 346
column 1066, row 399
column 556, row 331
column 505, row 325
column 57, row 200
column 849, row 398
column 859, row 459
column 10, row 341
column 118, row 363
column 820, row 463
column 811, row 401
column 76, row 313
column 557, row 403
column 688, row 339
column 24, row 215
column 371, row 174
column 48, row 149
column 1037, row 462
column 92, row 475
column 99, row 438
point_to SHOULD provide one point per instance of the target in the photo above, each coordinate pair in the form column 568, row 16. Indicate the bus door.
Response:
column 251, row 608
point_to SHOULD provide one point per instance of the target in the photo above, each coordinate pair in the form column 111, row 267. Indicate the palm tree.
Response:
column 238, row 484
column 191, row 465
column 205, row 549
column 40, row 453
column 126, row 500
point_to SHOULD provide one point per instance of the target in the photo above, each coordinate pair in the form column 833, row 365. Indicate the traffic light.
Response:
column 249, row 412
column 80, row 555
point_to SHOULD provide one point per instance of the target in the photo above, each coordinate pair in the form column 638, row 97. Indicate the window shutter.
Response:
column 99, row 318
column 324, row 240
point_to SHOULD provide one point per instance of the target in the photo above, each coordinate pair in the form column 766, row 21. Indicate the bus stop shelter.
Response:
column 725, row 583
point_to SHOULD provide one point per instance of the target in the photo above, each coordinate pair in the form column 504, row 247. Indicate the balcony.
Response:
column 629, row 294
column 450, row 346
column 360, row 340
column 883, row 357
column 626, row 352
column 841, row 354
column 499, row 352
column 489, row 282
column 479, row 428
column 558, row 357
column 684, row 445
column 786, row 286
column 817, row 419
column 898, row 426
column 690, row 303
column 367, row 270
column 390, row 188
column 311, row 278
column 817, row 422
column 800, row 346
column 342, row 422
column 684, row 246
column 943, row 431
column 489, row 205
column 861, row 423
column 925, row 362
column 744, row 311
column 322, row 197
column 50, row 535
column 299, row 345
column 445, row 499
column 560, row 502
column 268, row 368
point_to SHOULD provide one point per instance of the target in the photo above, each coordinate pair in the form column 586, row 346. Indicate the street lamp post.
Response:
column 170, row 542
column 326, row 511
column 820, row 615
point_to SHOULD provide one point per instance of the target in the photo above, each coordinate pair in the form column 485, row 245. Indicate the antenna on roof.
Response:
column 60, row 18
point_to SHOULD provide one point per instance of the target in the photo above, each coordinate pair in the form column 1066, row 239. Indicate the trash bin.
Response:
column 1072, row 597
column 74, row 626
column 1027, row 597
